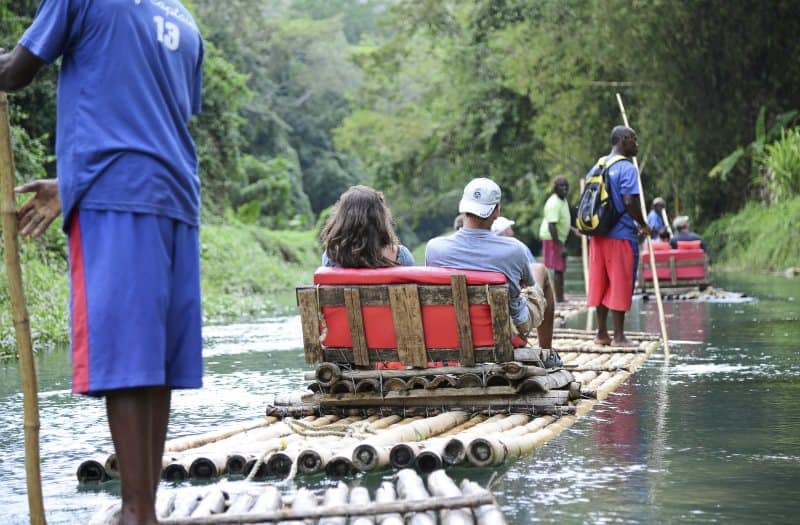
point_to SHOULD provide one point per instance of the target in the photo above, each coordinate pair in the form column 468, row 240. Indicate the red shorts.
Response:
column 611, row 273
column 552, row 256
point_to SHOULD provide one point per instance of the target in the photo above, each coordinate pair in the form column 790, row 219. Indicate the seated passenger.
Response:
column 502, row 226
column 682, row 233
column 475, row 247
column 654, row 218
column 359, row 233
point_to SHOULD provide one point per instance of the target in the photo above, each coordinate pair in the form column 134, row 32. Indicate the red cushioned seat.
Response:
column 660, row 246
column 690, row 272
column 690, row 245
column 438, row 321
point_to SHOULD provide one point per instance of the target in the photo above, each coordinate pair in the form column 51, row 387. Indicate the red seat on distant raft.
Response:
column 438, row 321
column 694, row 271
column 690, row 245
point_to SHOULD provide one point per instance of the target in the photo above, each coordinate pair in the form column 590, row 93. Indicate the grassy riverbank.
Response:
column 757, row 238
column 247, row 272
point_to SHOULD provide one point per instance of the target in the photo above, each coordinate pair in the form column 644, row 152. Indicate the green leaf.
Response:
column 726, row 165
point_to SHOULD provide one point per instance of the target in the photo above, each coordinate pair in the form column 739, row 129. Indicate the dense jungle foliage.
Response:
column 304, row 98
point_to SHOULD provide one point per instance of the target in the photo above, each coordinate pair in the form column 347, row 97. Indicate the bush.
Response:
column 782, row 164
column 758, row 237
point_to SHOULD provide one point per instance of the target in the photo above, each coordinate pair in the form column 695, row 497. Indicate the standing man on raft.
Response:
column 554, row 231
column 613, row 258
column 130, row 79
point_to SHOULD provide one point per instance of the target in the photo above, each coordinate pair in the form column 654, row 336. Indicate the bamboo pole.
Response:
column 666, row 221
column 410, row 487
column 648, row 244
column 360, row 496
column 485, row 514
column 387, row 494
column 585, row 254
column 22, row 328
column 441, row 486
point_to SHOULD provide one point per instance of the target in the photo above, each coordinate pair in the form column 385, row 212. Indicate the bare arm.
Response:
column 18, row 68
column 634, row 209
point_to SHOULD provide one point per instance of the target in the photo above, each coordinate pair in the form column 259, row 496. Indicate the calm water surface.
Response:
column 712, row 438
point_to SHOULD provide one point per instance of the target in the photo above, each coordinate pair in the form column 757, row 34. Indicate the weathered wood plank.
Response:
column 445, row 397
column 309, row 319
column 407, row 318
column 501, row 324
column 378, row 295
column 483, row 354
column 356, row 321
column 458, row 283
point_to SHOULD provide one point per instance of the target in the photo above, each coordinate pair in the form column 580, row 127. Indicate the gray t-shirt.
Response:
column 475, row 249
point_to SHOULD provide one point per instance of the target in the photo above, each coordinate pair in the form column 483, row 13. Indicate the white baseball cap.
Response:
column 501, row 224
column 480, row 197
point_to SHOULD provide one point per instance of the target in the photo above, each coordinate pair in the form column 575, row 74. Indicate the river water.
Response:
column 711, row 437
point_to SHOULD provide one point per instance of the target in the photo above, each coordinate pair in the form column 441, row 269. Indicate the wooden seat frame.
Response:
column 405, row 301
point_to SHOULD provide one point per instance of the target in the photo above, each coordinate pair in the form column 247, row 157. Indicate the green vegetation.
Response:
column 414, row 97
column 758, row 237
column 247, row 272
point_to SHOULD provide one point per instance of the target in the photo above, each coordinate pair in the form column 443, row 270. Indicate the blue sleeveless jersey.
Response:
column 131, row 77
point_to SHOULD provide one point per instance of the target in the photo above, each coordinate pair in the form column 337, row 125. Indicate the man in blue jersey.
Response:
column 613, row 258
column 476, row 247
column 130, row 79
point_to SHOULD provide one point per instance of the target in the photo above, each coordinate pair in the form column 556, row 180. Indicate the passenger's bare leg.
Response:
column 558, row 281
column 602, row 327
column 131, row 420
column 545, row 330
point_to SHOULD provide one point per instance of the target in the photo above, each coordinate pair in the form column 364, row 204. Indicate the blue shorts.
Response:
column 135, row 302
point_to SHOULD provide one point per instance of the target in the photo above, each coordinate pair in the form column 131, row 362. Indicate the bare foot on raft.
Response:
column 602, row 341
column 624, row 342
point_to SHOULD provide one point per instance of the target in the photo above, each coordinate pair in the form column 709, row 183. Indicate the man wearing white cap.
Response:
column 682, row 233
column 476, row 247
column 503, row 226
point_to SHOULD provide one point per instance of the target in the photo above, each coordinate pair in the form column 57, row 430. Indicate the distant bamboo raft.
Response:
column 406, row 499
column 482, row 415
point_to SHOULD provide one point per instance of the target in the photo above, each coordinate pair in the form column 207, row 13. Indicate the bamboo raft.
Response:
column 573, row 307
column 432, row 417
column 408, row 499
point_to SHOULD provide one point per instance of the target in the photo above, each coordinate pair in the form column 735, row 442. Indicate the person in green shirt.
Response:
column 553, row 233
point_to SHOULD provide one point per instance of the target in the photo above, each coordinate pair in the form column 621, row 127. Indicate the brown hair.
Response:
column 358, row 229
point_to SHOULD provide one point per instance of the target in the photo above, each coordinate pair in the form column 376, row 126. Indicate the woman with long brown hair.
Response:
column 359, row 233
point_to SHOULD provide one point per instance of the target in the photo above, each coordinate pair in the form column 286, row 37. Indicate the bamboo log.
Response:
column 241, row 504
column 410, row 488
column 443, row 381
column 419, row 382
column 513, row 369
column 235, row 464
column 368, row 385
column 343, row 386
column 469, row 381
column 212, row 503
column 367, row 455
column 326, row 374
column 22, row 328
column 497, row 380
column 402, row 455
column 165, row 504
column 395, row 384
column 360, row 496
column 485, row 514
column 340, row 466
column 208, row 467
column 175, row 471
column 268, row 501
column 187, row 442
column 455, row 450
column 385, row 494
column 185, row 503
column 441, row 486
column 312, row 460
column 92, row 471
column 553, row 380
column 304, row 501
column 336, row 496
column 415, row 507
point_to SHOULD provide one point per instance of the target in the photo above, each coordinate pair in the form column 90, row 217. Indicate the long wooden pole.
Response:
column 22, row 328
column 585, row 254
column 649, row 248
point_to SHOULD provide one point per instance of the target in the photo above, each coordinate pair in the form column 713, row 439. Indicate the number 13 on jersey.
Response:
column 167, row 33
